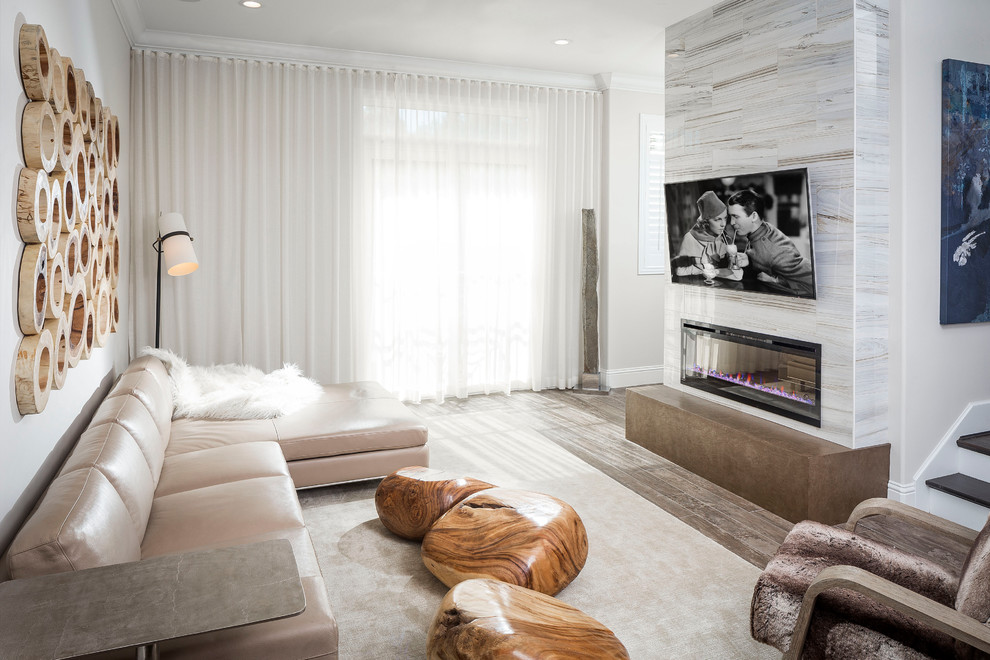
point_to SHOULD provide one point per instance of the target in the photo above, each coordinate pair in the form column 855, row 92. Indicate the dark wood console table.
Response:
column 139, row 604
column 793, row 474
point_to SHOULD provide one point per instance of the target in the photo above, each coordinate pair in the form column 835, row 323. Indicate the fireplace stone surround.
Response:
column 775, row 84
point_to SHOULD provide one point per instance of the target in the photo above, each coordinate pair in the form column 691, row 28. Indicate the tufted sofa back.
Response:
column 96, row 510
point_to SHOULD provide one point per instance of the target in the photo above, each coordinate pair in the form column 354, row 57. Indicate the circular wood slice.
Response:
column 76, row 311
column 80, row 171
column 113, row 247
column 69, row 197
column 57, row 95
column 60, row 350
column 71, row 89
column 86, row 252
column 107, row 138
column 410, row 500
column 521, row 537
column 56, row 286
column 100, row 139
column 35, row 62
column 32, row 288
column 68, row 247
column 103, row 314
column 115, row 134
column 114, row 201
column 95, row 172
column 33, row 372
column 92, row 115
column 64, row 131
column 82, row 95
column 494, row 620
column 39, row 137
column 89, row 335
column 106, row 204
column 93, row 276
column 116, row 312
column 34, row 213
column 58, row 215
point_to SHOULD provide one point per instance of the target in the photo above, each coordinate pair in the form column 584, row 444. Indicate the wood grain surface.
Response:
column 410, row 500
column 491, row 619
column 521, row 537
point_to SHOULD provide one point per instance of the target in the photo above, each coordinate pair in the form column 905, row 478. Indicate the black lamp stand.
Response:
column 157, row 245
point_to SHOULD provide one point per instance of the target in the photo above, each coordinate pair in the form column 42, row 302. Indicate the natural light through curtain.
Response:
column 419, row 231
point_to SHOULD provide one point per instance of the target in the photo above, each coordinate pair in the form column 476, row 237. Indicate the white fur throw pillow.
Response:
column 234, row 391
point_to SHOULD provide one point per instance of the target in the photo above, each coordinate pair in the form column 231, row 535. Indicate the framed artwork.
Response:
column 965, row 237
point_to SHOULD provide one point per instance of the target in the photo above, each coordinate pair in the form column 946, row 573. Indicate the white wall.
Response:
column 934, row 370
column 33, row 446
column 632, row 304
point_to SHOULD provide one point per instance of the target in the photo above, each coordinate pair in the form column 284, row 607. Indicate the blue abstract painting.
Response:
column 965, row 244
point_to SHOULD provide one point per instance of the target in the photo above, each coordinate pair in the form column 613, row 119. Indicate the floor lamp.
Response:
column 180, row 259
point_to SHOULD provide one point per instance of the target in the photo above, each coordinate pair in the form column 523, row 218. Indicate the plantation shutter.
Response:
column 652, row 232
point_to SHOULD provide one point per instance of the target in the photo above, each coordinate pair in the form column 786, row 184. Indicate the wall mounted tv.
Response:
column 748, row 232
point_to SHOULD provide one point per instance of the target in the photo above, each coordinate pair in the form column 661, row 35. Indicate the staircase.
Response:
column 964, row 496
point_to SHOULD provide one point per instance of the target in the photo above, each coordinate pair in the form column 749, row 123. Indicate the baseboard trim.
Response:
column 634, row 376
column 903, row 493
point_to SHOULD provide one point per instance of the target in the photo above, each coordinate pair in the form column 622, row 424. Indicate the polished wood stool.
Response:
column 521, row 537
column 410, row 500
column 491, row 619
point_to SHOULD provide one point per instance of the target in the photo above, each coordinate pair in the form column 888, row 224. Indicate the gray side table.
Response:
column 139, row 604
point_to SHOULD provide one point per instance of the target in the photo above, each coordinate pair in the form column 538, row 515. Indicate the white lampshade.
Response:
column 180, row 258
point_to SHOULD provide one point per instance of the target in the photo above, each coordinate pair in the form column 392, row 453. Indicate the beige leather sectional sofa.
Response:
column 138, row 485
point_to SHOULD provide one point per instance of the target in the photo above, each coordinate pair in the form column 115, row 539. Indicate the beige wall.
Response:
column 935, row 370
column 32, row 447
column 632, row 304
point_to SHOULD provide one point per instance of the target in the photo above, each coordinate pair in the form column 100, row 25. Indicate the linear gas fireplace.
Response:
column 781, row 375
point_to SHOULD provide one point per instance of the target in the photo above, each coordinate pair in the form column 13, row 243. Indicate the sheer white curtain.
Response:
column 420, row 231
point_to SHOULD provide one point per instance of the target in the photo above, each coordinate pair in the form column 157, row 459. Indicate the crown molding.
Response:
column 130, row 18
column 142, row 38
column 630, row 82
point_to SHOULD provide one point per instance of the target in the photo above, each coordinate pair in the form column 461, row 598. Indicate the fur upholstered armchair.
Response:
column 830, row 593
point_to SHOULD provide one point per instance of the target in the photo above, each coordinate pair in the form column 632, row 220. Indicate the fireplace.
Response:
column 781, row 375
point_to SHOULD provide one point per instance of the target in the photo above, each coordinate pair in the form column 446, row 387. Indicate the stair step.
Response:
column 963, row 486
column 978, row 442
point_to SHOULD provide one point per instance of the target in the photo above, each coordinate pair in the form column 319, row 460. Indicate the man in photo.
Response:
column 768, row 251
column 705, row 249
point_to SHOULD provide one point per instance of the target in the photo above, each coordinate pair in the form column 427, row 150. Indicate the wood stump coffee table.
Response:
column 410, row 500
column 516, row 536
column 494, row 620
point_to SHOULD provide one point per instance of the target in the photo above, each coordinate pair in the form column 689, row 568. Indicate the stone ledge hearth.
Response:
column 793, row 474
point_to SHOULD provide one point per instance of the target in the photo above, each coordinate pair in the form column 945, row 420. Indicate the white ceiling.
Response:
column 607, row 36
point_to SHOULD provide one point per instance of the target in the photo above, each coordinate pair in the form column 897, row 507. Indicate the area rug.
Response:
column 663, row 588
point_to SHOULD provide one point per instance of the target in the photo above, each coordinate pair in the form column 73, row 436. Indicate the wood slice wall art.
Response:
column 68, row 208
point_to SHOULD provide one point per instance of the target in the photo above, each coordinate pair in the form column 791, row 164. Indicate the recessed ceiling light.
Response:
column 251, row 4
column 672, row 55
column 562, row 42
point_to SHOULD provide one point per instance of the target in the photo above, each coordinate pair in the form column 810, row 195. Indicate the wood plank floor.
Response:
column 592, row 427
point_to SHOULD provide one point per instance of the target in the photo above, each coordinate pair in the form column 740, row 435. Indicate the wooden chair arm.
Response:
column 882, row 506
column 930, row 612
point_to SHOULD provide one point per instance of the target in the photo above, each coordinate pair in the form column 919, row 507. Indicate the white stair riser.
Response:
column 957, row 510
column 973, row 464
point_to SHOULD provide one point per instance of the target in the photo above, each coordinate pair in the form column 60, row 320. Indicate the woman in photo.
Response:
column 705, row 249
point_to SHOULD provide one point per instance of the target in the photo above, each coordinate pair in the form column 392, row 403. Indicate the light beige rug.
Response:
column 666, row 590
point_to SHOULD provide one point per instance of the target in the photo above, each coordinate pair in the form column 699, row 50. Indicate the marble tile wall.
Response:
column 759, row 85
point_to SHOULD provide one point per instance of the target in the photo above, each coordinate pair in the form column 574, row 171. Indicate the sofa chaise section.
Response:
column 354, row 431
